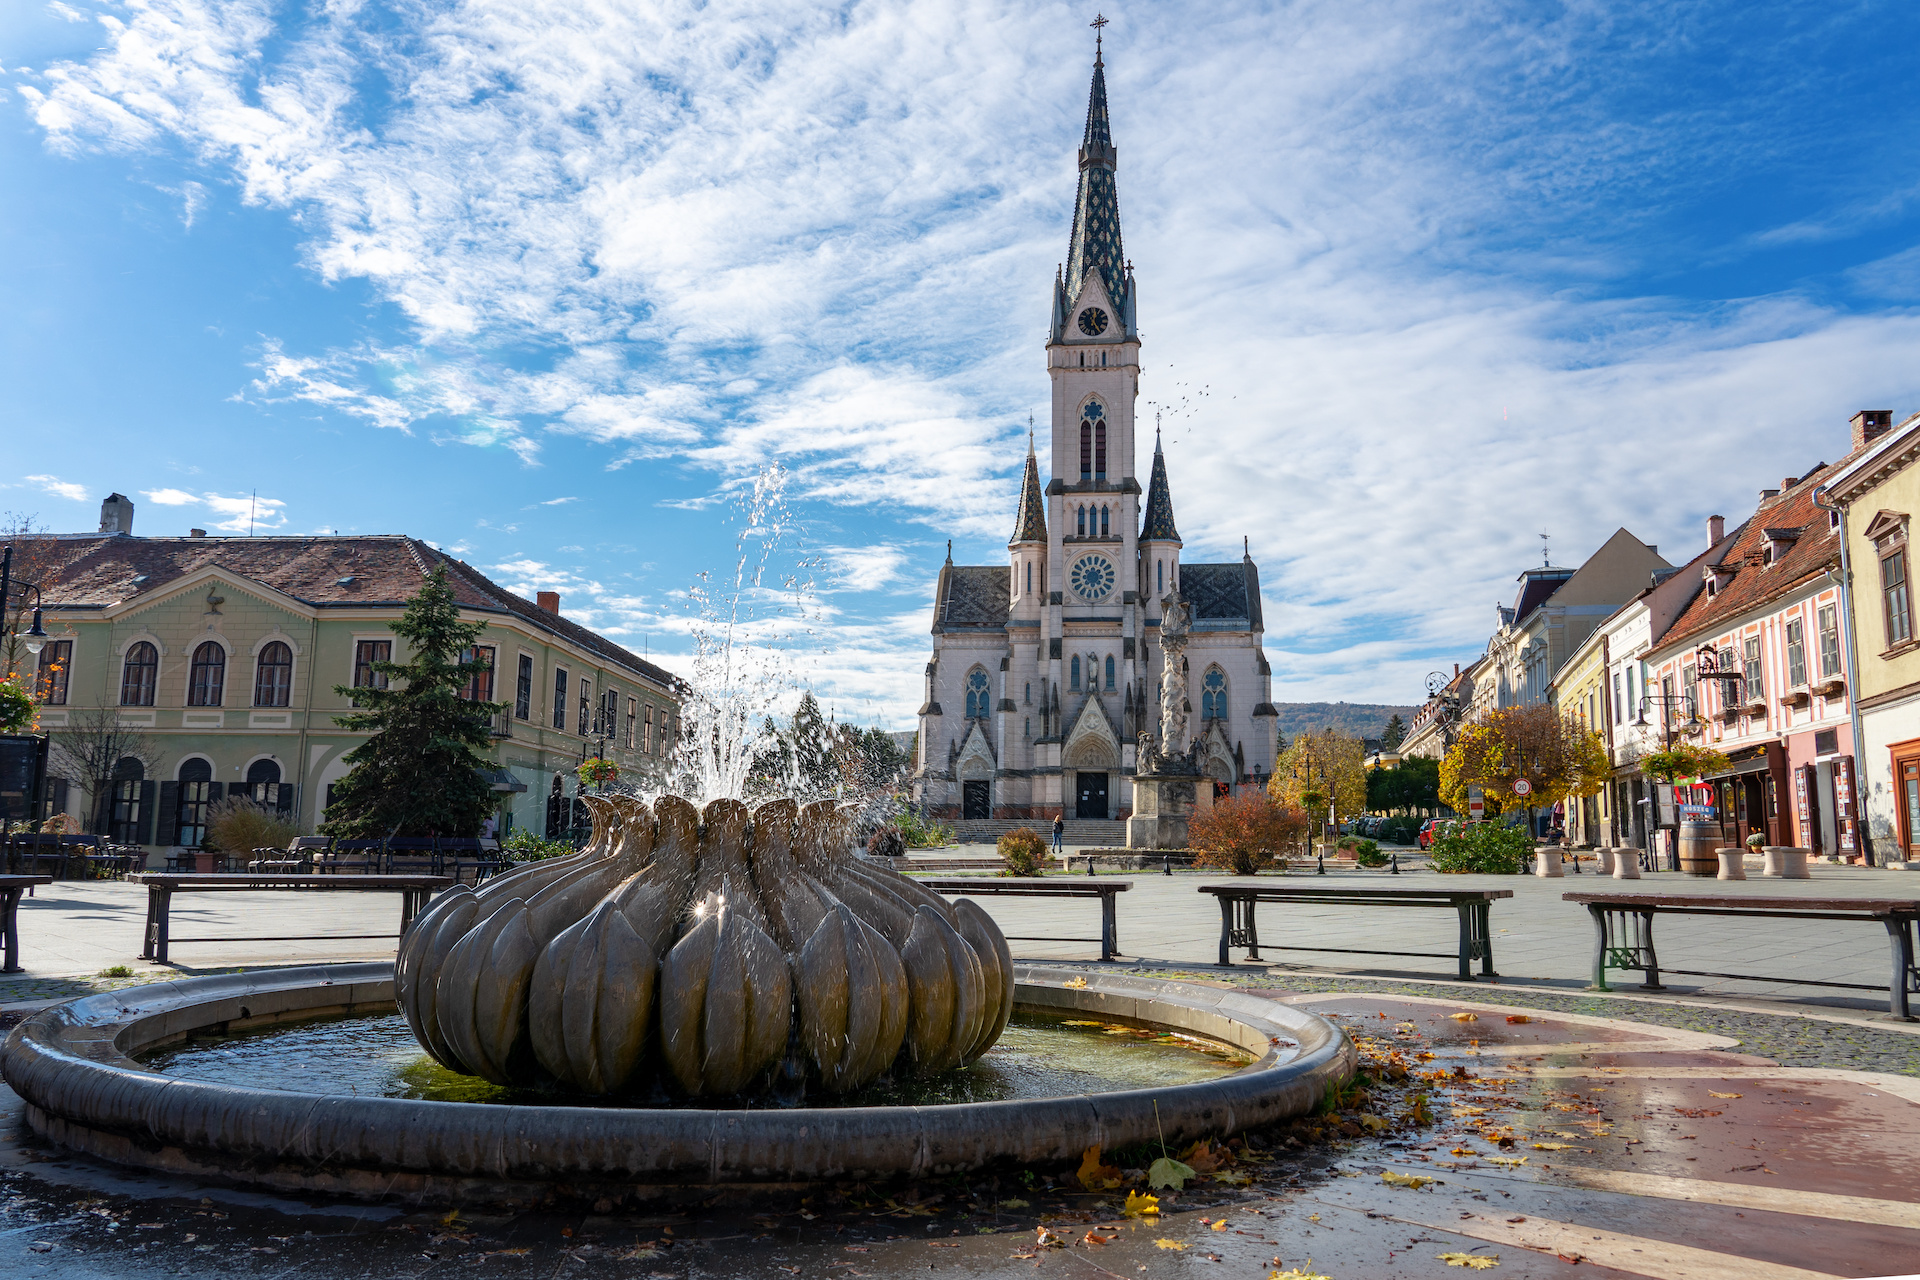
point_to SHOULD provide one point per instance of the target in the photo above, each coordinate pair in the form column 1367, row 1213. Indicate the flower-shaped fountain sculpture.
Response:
column 716, row 947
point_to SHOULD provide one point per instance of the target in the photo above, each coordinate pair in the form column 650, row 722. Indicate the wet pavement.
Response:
column 1482, row 1136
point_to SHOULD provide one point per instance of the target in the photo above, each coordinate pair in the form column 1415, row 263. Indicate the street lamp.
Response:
column 37, row 635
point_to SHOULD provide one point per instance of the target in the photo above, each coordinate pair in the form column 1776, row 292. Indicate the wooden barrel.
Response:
column 1699, row 848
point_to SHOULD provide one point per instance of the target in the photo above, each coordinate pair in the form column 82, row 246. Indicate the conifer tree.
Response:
column 1395, row 734
column 419, row 772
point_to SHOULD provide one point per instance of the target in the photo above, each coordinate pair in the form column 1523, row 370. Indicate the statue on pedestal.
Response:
column 1176, row 621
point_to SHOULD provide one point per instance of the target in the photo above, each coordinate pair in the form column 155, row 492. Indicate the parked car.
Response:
column 1431, row 828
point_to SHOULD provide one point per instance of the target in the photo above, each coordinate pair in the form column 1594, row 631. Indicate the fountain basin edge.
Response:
column 71, row 1065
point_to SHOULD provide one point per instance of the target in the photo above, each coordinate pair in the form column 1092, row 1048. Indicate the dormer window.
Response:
column 344, row 582
column 1778, row 542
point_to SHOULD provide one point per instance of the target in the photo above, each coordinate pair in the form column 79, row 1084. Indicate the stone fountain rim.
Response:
column 71, row 1065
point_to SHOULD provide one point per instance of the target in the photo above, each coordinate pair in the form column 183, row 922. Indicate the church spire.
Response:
column 1096, row 208
column 1159, row 517
column 1030, row 523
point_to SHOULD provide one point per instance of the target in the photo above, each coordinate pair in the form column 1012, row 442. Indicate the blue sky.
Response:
column 544, row 283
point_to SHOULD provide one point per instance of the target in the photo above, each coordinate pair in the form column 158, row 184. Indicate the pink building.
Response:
column 1756, row 667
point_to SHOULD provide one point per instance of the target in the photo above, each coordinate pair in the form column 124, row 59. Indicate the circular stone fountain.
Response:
column 699, row 959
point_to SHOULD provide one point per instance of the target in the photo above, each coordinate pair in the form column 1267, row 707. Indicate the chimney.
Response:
column 116, row 514
column 196, row 533
column 1869, row 425
column 548, row 600
column 1788, row 483
column 1456, row 668
column 1768, row 495
column 1716, row 530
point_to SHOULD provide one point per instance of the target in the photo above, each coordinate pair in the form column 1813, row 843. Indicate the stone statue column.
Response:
column 1175, row 621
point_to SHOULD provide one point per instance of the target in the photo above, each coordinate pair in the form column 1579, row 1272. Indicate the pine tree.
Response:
column 1396, row 733
column 419, row 772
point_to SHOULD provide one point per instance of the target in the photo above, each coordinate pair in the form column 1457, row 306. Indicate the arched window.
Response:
column 1159, row 576
column 263, row 782
column 1109, row 672
column 1073, row 673
column 207, row 678
column 1086, row 450
column 1029, row 693
column 1100, row 450
column 129, row 776
column 273, row 677
column 138, row 674
column 1213, row 695
column 977, row 700
column 1080, row 520
column 1029, row 577
column 1103, row 522
column 196, row 794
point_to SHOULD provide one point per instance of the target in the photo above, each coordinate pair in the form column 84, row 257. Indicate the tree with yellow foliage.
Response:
column 1327, row 765
column 1559, row 757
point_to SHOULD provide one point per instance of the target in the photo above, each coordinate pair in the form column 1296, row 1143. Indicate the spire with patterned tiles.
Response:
column 1030, row 522
column 1158, row 525
column 1096, row 209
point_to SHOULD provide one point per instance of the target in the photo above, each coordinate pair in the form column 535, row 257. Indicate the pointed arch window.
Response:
column 207, row 678
column 1100, row 451
column 1080, row 521
column 1029, row 577
column 273, row 676
column 1159, row 576
column 1073, row 674
column 1109, row 672
column 1086, row 450
column 1103, row 522
column 977, row 699
column 138, row 674
column 1213, row 695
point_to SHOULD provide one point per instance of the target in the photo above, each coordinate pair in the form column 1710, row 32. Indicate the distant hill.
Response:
column 1360, row 719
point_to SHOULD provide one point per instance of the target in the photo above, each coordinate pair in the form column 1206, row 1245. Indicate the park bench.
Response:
column 1238, row 927
column 1061, row 887
column 161, row 886
column 1623, row 934
column 11, row 889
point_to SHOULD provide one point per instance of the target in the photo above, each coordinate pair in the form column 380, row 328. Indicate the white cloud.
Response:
column 59, row 488
column 245, row 513
column 555, row 502
column 171, row 497
column 66, row 12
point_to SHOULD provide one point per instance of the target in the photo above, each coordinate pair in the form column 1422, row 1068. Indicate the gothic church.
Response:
column 1046, row 670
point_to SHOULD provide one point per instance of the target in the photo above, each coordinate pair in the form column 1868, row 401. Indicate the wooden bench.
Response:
column 161, row 886
column 1238, row 928
column 1623, row 934
column 11, row 888
column 1023, row 887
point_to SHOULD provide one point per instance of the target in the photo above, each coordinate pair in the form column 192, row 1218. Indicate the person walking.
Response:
column 1059, row 829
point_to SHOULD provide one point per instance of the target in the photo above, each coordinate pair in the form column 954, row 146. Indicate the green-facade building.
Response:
column 224, row 653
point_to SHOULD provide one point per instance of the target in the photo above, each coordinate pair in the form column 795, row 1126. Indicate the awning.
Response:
column 502, row 780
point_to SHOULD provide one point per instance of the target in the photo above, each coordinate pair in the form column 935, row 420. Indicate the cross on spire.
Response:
column 1099, row 21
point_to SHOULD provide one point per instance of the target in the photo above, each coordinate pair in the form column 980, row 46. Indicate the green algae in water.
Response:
column 376, row 1056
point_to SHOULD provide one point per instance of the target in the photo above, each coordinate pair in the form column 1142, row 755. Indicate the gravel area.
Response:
column 1787, row 1040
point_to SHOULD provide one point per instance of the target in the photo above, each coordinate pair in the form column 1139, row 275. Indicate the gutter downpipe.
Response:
column 1845, row 583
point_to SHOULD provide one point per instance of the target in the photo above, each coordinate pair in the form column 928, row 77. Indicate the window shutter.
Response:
column 169, row 813
column 284, row 802
column 143, row 829
column 214, row 793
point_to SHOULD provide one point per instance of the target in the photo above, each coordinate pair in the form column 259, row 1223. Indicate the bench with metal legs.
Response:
column 414, row 892
column 1062, row 887
column 1239, row 927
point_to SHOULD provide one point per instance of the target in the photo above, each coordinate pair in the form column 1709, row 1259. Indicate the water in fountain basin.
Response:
column 1039, row 1056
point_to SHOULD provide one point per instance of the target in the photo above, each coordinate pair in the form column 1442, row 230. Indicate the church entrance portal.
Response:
column 1093, row 796
column 976, row 800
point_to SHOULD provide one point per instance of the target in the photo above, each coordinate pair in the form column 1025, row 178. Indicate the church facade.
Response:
column 1046, row 669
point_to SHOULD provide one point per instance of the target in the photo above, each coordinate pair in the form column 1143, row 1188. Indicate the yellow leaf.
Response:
column 1554, row 1146
column 1139, row 1206
column 1507, row 1162
column 1475, row 1261
column 1295, row 1273
column 1230, row 1179
column 1219, row 1224
column 1095, row 1176
column 1518, row 1017
column 1459, row 1112
column 1045, row 1239
column 1464, row 1017
column 1164, row 1243
column 1075, row 983
column 1412, row 1180
column 1313, row 1217
column 1463, row 1151
column 1078, row 1023
column 1712, row 1094
column 1372, row 1124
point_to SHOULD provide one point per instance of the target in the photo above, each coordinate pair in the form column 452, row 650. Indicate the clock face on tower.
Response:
column 1092, row 578
column 1093, row 322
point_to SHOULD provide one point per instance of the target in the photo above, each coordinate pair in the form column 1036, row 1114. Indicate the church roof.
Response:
column 1030, row 523
column 1096, row 208
column 1158, row 524
column 972, row 595
column 1223, row 597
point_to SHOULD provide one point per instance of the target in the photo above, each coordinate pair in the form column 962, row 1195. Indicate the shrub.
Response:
column 1487, row 848
column 524, row 846
column 887, row 842
column 921, row 834
column 1367, row 854
column 1245, row 834
column 1024, row 852
column 243, row 825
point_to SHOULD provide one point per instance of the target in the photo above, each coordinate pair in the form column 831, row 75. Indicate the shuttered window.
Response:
column 207, row 678
column 273, row 676
column 138, row 674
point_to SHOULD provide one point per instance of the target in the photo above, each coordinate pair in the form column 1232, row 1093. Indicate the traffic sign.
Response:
column 1523, row 788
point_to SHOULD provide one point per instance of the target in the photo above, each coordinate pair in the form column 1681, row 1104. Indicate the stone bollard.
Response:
column 1626, row 863
column 1785, row 862
column 1733, row 864
column 1603, row 859
column 1546, row 861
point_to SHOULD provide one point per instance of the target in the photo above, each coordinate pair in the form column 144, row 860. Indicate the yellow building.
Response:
column 1579, row 690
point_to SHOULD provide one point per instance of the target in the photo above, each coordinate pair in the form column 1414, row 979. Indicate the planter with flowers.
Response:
column 598, row 772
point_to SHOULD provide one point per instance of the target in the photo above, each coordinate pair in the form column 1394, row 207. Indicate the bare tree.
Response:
column 89, row 752
column 34, row 556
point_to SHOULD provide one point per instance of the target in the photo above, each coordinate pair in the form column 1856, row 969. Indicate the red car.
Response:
column 1431, row 828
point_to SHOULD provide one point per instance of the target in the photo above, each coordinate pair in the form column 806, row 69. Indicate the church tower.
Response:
column 1045, row 669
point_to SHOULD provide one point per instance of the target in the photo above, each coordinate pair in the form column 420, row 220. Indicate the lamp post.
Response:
column 36, row 635
column 1304, row 771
